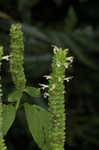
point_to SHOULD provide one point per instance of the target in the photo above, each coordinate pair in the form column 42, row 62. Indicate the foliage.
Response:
column 67, row 24
column 46, row 127
column 38, row 122
column 8, row 114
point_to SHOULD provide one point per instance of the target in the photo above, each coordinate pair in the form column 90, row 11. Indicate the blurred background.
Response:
column 72, row 24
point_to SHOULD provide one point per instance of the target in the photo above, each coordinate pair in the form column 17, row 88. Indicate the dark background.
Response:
column 72, row 24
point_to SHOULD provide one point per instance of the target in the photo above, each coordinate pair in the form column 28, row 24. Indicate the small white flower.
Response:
column 68, row 78
column 55, row 49
column 66, row 65
column 70, row 59
column 43, row 86
column 59, row 79
column 46, row 95
column 67, row 49
column 47, row 77
column 6, row 57
column 58, row 64
column 53, row 87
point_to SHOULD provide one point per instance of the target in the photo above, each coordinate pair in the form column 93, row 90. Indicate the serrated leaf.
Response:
column 38, row 122
column 15, row 96
column 34, row 92
column 9, row 113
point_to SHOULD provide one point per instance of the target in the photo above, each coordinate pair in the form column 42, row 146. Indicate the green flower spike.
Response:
column 16, row 61
column 2, row 144
column 56, row 100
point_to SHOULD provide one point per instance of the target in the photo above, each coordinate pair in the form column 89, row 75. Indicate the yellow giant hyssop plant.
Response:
column 47, row 127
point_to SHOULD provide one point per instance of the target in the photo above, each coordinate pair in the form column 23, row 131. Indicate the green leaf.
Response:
column 15, row 96
column 9, row 113
column 38, row 122
column 34, row 92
